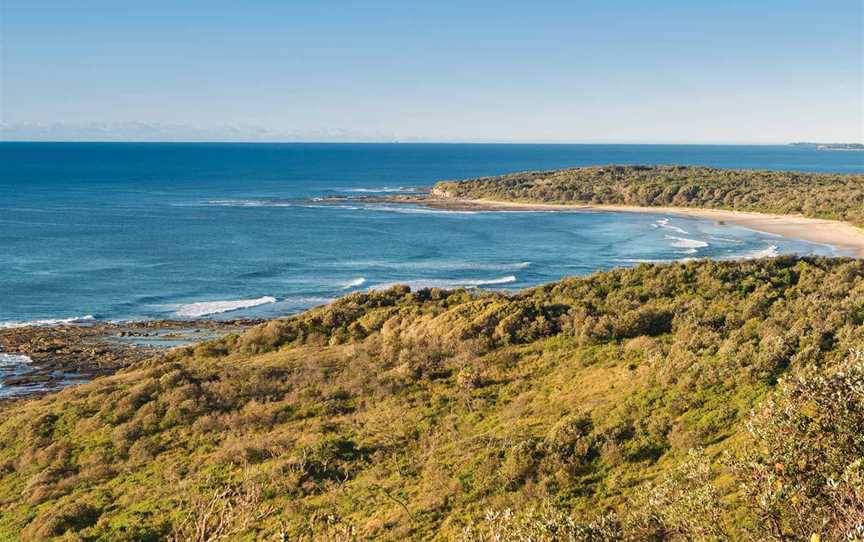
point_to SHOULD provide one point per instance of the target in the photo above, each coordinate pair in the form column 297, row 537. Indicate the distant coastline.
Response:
column 855, row 147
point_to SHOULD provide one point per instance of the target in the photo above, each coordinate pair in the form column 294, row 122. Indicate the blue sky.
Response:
column 569, row 71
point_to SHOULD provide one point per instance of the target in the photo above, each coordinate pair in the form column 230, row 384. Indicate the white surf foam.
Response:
column 503, row 280
column 327, row 206
column 11, row 364
column 48, row 322
column 205, row 308
column 436, row 265
column 463, row 266
column 407, row 210
column 646, row 260
column 419, row 284
column 318, row 203
column 250, row 203
column 640, row 260
column 353, row 283
column 8, row 361
column 664, row 223
column 684, row 242
column 768, row 252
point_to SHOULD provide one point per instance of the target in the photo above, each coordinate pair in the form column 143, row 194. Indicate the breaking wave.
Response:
column 641, row 260
column 768, row 252
column 435, row 265
column 683, row 242
column 48, row 322
column 664, row 223
column 725, row 240
column 320, row 203
column 205, row 308
column 353, row 283
column 251, row 203
column 419, row 284
column 409, row 210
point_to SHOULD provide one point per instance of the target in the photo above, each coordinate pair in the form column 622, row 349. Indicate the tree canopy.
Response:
column 816, row 195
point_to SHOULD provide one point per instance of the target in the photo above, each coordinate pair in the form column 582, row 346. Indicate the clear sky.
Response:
column 559, row 71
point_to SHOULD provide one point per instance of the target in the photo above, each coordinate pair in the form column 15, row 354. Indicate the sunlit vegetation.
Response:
column 693, row 401
column 817, row 195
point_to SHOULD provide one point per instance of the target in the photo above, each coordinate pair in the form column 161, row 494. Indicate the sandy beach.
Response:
column 839, row 234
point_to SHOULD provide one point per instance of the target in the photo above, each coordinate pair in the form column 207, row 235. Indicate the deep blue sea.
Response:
column 137, row 231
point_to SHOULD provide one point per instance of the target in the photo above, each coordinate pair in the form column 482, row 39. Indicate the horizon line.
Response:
column 427, row 142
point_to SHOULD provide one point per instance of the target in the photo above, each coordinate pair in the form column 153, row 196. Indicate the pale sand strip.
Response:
column 830, row 232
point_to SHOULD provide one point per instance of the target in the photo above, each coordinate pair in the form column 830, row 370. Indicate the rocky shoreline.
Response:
column 63, row 355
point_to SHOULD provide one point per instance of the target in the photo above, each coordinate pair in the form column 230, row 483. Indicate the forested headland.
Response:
column 691, row 401
column 815, row 195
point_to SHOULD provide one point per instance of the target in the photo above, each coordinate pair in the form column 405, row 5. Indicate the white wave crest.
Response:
column 641, row 260
column 250, row 203
column 319, row 203
column 503, row 280
column 205, row 308
column 664, row 223
column 768, row 252
column 409, row 210
column 353, row 283
column 48, row 322
column 683, row 242
column 435, row 265
column 447, row 283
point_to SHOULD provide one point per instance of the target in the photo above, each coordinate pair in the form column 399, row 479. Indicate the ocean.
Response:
column 126, row 231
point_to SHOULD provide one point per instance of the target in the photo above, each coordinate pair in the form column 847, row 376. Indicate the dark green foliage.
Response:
column 400, row 415
column 818, row 195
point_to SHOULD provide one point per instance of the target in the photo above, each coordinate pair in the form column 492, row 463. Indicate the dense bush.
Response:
column 693, row 401
column 819, row 195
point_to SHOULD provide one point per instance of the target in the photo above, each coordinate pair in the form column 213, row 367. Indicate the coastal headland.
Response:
column 817, row 207
column 620, row 405
column 821, row 208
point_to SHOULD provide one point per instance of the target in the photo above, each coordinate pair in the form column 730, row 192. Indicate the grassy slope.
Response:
column 408, row 415
column 816, row 195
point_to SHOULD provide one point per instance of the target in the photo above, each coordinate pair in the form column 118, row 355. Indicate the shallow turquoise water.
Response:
column 129, row 231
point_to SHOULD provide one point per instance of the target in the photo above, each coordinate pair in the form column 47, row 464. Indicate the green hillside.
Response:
column 817, row 195
column 693, row 401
